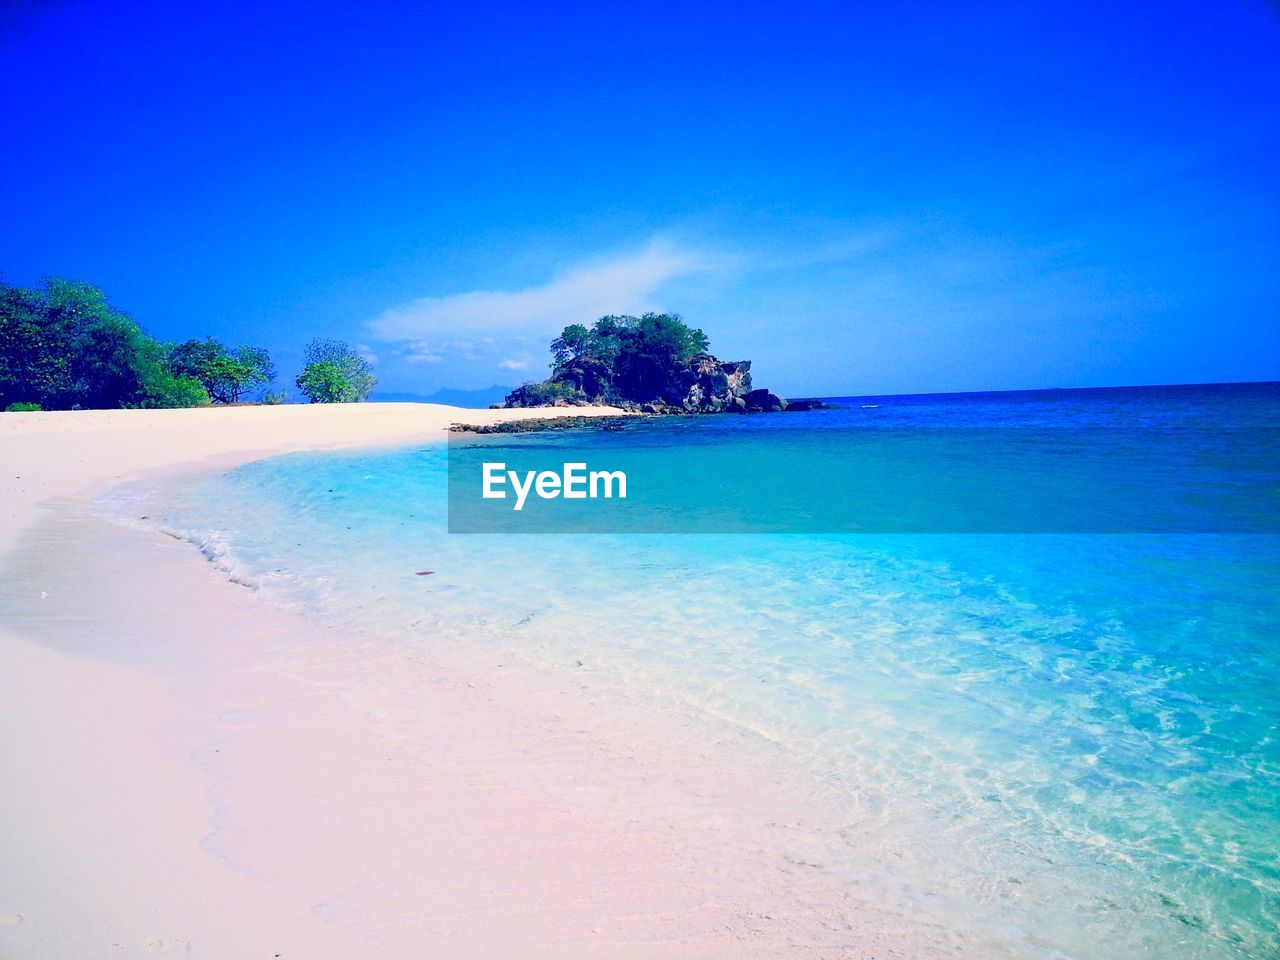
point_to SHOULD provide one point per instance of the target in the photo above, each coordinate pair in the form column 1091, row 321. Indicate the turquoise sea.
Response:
column 1067, row 740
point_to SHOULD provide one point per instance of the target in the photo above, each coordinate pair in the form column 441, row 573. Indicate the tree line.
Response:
column 63, row 346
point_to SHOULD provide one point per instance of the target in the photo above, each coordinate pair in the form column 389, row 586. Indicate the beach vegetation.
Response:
column 64, row 346
column 546, row 393
column 227, row 374
column 165, row 389
column 335, row 373
column 22, row 408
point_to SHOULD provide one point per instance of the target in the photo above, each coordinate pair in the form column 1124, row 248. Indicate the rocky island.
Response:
column 655, row 363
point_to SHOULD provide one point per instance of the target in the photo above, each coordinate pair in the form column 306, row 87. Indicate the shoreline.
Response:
column 226, row 783
column 64, row 453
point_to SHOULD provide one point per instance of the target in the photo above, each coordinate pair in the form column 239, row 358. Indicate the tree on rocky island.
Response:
column 655, row 361
column 574, row 341
column 334, row 373
column 661, row 337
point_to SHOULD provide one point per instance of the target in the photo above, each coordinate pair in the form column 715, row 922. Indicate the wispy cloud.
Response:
column 622, row 284
column 513, row 363
column 421, row 353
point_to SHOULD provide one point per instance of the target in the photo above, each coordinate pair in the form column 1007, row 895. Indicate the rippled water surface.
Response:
column 1069, row 740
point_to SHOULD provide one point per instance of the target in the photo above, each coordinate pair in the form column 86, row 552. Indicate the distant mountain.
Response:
column 475, row 399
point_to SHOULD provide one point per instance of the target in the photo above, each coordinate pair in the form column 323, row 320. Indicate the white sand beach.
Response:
column 169, row 790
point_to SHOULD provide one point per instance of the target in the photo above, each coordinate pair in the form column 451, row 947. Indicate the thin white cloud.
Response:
column 513, row 363
column 626, row 284
column 366, row 353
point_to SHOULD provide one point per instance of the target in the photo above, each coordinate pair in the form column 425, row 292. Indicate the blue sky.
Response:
column 861, row 198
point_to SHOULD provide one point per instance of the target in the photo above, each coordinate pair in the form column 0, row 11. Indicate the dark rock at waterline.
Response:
column 762, row 401
column 611, row 424
column 800, row 406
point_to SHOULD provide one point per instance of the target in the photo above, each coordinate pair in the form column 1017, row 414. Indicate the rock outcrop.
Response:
column 708, row 385
column 703, row 384
column 762, row 401
column 803, row 406
column 590, row 376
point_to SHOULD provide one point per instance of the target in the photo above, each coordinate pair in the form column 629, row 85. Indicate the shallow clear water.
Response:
column 1070, row 741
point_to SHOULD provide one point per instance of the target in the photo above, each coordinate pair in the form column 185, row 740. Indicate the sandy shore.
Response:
column 47, row 455
column 175, row 785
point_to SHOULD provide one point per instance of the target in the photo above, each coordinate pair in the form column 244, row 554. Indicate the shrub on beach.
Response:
column 166, row 390
column 334, row 373
column 22, row 408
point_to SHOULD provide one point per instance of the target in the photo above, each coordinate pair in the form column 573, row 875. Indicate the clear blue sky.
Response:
column 859, row 197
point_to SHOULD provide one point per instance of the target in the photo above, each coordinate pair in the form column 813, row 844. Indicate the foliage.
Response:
column 322, row 381
column 545, row 394
column 33, row 353
column 226, row 375
column 334, row 373
column 63, row 345
column 165, row 389
column 22, row 408
column 574, row 341
column 256, row 366
column 617, row 358
column 273, row 398
column 192, row 358
column 649, row 349
column 621, row 339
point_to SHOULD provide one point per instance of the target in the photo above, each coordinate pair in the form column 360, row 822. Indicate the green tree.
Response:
column 63, row 345
column 334, row 373
column 34, row 354
column 664, row 336
column 257, row 366
column 574, row 342
column 650, row 348
column 192, row 358
column 620, row 358
column 227, row 375
column 164, row 389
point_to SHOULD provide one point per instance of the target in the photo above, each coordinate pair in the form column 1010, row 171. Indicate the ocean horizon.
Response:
column 1062, row 742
